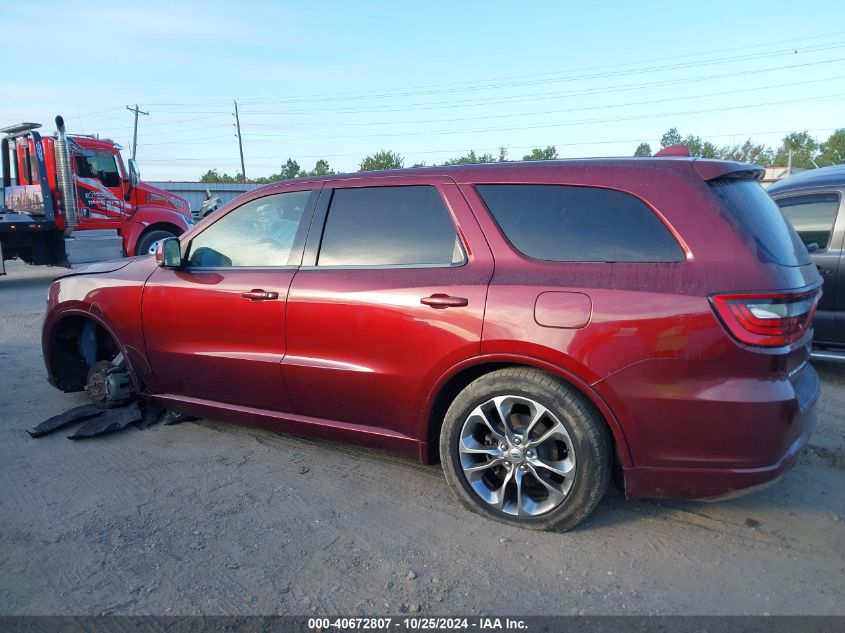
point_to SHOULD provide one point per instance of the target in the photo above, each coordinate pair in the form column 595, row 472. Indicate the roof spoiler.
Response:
column 727, row 170
column 716, row 169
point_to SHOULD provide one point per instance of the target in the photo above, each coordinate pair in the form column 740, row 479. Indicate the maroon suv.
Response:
column 535, row 326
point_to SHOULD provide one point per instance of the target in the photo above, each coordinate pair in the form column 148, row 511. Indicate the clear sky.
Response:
column 430, row 80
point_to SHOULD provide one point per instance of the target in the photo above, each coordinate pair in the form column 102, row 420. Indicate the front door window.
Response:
column 99, row 186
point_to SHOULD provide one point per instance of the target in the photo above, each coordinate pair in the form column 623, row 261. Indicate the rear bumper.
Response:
column 716, row 483
column 721, row 438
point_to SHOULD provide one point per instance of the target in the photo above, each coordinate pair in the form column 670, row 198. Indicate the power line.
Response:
column 579, row 93
column 518, row 127
column 561, row 124
column 497, row 116
column 166, row 123
column 619, row 69
column 538, row 96
column 578, row 109
column 491, row 149
column 391, row 94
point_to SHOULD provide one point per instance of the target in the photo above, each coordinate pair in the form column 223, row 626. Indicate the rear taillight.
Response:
column 767, row 319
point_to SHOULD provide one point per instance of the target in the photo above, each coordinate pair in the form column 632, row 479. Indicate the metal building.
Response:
column 194, row 192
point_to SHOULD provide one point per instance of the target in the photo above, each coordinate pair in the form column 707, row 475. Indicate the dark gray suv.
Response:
column 813, row 202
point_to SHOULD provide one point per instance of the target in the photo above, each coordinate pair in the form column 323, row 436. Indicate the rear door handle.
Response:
column 257, row 294
column 824, row 271
column 440, row 301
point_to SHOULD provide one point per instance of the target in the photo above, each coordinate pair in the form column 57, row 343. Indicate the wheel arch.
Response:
column 67, row 370
column 461, row 375
column 151, row 219
column 158, row 226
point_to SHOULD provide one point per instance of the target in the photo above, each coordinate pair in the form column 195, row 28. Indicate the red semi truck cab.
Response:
column 60, row 190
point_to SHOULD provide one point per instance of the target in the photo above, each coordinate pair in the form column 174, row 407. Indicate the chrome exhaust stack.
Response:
column 64, row 177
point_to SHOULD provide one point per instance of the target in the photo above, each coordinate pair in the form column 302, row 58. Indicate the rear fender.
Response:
column 623, row 452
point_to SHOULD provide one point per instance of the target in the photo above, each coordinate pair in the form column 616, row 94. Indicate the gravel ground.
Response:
column 208, row 518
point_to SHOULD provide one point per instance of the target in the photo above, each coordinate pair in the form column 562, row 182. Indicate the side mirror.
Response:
column 134, row 173
column 169, row 253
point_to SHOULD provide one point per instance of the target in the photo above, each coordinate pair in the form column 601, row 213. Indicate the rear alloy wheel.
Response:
column 524, row 448
column 149, row 242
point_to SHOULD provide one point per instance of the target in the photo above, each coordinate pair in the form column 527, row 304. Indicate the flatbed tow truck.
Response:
column 69, row 199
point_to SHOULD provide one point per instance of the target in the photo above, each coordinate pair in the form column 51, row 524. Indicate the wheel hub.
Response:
column 517, row 456
column 97, row 386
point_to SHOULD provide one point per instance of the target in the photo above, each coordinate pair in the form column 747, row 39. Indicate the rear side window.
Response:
column 389, row 226
column 579, row 224
column 813, row 216
column 773, row 237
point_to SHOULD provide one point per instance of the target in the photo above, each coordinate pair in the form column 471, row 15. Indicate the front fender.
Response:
column 143, row 218
column 111, row 300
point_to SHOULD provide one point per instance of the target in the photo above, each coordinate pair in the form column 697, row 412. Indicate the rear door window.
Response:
column 565, row 223
column 389, row 226
column 812, row 215
column 772, row 235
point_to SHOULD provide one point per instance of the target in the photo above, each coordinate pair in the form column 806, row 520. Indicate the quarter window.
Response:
column 389, row 226
column 565, row 223
column 813, row 216
column 265, row 232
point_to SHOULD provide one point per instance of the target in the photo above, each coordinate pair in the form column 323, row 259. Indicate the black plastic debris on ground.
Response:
column 141, row 413
column 111, row 420
column 76, row 414
column 150, row 414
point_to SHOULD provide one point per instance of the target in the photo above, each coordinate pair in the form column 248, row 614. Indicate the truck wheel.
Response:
column 521, row 447
column 148, row 242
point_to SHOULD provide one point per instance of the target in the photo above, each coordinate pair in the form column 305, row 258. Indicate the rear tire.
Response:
column 524, row 448
column 148, row 241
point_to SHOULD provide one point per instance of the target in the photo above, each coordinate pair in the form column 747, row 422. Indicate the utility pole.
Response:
column 135, row 135
column 240, row 142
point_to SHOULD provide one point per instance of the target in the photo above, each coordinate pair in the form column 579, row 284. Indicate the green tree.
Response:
column 212, row 175
column 289, row 170
column 748, row 152
column 697, row 146
column 833, row 149
column 471, row 159
column 804, row 149
column 384, row 159
column 548, row 153
column 672, row 137
column 643, row 149
column 321, row 168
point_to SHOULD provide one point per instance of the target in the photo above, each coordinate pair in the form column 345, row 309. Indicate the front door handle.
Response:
column 824, row 271
column 257, row 294
column 440, row 301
